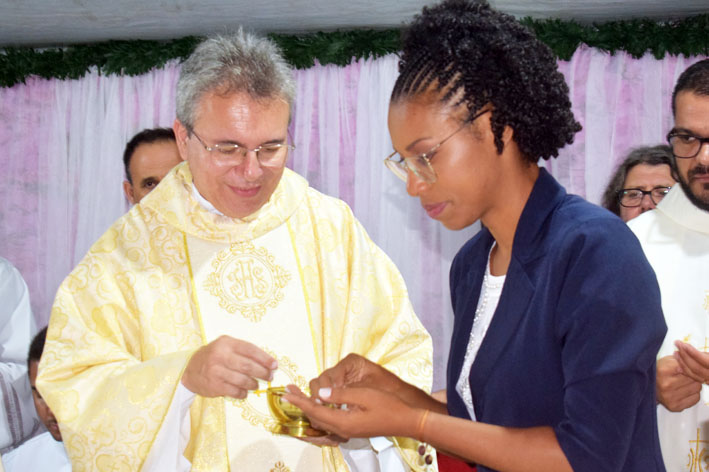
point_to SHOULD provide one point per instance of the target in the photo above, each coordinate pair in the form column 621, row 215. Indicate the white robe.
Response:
column 675, row 238
column 18, row 419
column 41, row 453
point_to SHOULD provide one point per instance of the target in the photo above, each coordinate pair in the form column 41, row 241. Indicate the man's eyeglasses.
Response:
column 420, row 165
column 685, row 145
column 633, row 197
column 268, row 155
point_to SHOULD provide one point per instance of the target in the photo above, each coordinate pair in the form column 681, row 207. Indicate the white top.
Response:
column 487, row 304
column 41, row 453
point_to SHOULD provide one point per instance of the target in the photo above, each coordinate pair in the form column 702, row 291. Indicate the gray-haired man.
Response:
column 231, row 273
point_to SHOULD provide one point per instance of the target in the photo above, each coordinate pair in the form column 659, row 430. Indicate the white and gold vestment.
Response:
column 299, row 278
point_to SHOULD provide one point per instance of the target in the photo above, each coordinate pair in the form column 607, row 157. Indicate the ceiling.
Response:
column 61, row 22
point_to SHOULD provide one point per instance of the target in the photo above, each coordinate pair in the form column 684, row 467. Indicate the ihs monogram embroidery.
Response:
column 246, row 279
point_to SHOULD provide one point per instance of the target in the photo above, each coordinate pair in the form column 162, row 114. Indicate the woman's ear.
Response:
column 507, row 135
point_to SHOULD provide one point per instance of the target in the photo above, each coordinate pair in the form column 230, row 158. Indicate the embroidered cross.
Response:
column 698, row 459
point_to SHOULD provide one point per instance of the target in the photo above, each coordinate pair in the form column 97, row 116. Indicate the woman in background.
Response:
column 557, row 312
column 641, row 182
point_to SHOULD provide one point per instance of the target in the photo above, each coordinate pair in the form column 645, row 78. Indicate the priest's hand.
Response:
column 675, row 390
column 227, row 367
column 694, row 363
column 359, row 412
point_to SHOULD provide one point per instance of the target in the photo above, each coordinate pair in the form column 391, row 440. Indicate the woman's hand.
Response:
column 355, row 371
column 357, row 412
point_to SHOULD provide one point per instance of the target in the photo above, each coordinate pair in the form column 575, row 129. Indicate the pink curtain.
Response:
column 62, row 145
column 622, row 103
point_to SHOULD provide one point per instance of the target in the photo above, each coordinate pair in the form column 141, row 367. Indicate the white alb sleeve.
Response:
column 372, row 455
column 167, row 453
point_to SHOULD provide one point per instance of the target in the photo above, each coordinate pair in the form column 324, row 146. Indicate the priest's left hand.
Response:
column 694, row 363
column 368, row 413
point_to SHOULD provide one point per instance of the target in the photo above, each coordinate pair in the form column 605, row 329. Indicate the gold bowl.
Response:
column 289, row 418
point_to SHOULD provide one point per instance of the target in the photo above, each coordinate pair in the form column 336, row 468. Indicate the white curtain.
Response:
column 62, row 144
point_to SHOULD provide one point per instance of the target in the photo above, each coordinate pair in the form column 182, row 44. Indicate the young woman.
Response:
column 557, row 312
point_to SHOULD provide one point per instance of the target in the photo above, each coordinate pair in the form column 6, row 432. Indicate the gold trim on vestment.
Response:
column 318, row 361
column 221, row 413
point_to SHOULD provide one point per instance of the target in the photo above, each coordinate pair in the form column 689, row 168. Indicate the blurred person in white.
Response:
column 147, row 158
column 44, row 452
column 231, row 273
column 675, row 238
column 18, row 420
column 641, row 182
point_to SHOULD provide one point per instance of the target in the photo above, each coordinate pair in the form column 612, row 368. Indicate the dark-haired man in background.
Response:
column 18, row 421
column 45, row 451
column 148, row 157
column 675, row 238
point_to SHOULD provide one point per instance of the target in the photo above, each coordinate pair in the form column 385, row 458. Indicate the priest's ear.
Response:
column 128, row 190
column 181, row 135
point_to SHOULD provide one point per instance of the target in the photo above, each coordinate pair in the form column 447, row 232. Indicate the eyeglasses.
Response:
column 685, row 145
column 420, row 165
column 268, row 155
column 633, row 197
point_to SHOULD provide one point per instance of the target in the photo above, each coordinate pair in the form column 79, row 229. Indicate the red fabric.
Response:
column 449, row 464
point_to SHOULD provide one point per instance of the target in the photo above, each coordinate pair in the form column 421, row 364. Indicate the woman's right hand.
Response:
column 356, row 371
column 369, row 412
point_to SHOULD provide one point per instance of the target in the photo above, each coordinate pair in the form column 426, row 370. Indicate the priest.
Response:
column 675, row 238
column 231, row 275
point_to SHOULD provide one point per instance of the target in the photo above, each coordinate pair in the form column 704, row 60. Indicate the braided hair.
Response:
column 473, row 55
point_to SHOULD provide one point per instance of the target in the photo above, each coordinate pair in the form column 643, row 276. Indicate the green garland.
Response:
column 689, row 37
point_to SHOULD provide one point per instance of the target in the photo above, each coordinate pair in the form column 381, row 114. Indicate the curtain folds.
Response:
column 62, row 144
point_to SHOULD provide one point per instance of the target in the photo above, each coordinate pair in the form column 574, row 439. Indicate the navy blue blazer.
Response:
column 573, row 340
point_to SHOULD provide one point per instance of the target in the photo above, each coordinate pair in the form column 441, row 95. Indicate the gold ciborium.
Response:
column 289, row 418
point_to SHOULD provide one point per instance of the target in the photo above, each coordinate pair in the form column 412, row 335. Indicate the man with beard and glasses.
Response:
column 675, row 238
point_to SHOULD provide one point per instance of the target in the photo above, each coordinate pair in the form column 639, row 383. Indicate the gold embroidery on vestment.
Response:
column 280, row 467
column 246, row 279
column 698, row 457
